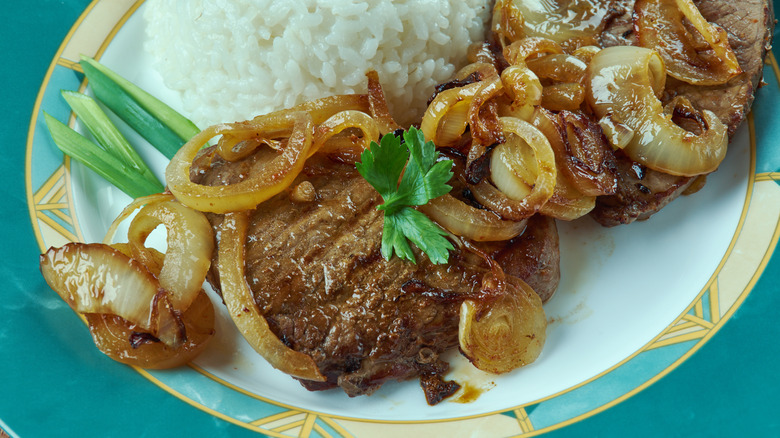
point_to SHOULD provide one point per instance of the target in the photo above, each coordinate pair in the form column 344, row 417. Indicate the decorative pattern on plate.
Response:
column 51, row 204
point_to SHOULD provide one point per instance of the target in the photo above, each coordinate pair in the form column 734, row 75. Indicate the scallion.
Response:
column 114, row 170
column 159, row 124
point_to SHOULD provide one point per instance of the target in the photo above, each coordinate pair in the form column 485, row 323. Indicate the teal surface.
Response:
column 729, row 387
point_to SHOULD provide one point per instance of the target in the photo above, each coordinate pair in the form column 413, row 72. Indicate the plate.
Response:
column 634, row 301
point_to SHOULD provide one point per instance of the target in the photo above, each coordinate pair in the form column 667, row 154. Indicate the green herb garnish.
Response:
column 406, row 175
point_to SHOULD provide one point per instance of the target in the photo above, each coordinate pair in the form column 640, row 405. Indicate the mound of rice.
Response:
column 232, row 60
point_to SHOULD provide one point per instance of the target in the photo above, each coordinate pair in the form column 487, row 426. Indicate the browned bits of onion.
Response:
column 483, row 113
column 624, row 84
column 96, row 278
column 567, row 202
column 589, row 160
column 378, row 104
column 693, row 50
column 242, row 307
column 505, row 332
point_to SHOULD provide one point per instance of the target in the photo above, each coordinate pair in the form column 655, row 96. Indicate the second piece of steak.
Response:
column 642, row 192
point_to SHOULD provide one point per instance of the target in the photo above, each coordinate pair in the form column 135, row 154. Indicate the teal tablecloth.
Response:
column 730, row 387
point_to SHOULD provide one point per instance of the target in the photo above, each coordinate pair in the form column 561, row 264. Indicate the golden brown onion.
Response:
column 378, row 104
column 440, row 107
column 340, row 121
column 190, row 242
column 119, row 340
column 265, row 182
column 523, row 167
column 661, row 25
column 509, row 333
column 624, row 83
column 96, row 278
column 571, row 22
column 470, row 222
column 243, row 310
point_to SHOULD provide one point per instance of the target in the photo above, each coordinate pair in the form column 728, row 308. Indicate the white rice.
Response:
column 232, row 60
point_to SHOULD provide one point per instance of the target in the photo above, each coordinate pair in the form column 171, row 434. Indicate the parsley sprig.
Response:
column 405, row 175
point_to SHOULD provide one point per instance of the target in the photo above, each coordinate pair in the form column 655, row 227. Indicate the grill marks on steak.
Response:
column 318, row 276
column 749, row 27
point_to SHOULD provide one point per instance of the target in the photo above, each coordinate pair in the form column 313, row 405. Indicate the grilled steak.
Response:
column 642, row 192
column 318, row 276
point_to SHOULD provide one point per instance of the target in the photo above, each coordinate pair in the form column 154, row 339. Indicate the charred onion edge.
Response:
column 243, row 309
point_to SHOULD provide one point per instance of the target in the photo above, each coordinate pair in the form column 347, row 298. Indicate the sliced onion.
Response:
column 264, row 183
column 341, row 121
column 520, row 51
column 660, row 26
column 114, row 335
column 559, row 68
column 466, row 221
column 244, row 311
column 96, row 278
column 190, row 242
column 126, row 212
column 509, row 333
column 378, row 105
column 441, row 105
column 507, row 22
column 563, row 97
column 624, row 83
column 567, row 202
column 525, row 90
column 571, row 22
column 483, row 117
column 524, row 166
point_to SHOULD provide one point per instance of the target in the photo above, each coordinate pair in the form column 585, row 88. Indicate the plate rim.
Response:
column 752, row 181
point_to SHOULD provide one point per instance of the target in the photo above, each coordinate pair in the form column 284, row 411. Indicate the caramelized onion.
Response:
column 378, row 104
column 114, row 336
column 340, row 121
column 483, row 118
column 273, row 177
column 624, row 83
column 524, row 89
column 507, row 22
column 509, row 333
column 661, row 25
column 567, row 202
column 190, row 242
column 469, row 222
column 440, row 106
column 96, row 278
column 571, row 22
column 524, row 166
column 244, row 311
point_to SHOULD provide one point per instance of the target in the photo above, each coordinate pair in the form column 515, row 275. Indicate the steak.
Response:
column 318, row 277
column 749, row 24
